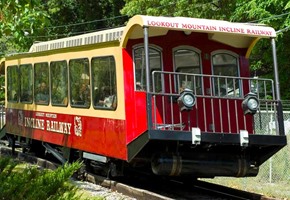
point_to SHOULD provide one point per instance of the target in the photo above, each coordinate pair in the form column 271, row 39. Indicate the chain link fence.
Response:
column 277, row 168
column 273, row 179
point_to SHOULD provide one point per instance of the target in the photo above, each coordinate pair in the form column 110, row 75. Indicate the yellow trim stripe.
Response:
column 254, row 42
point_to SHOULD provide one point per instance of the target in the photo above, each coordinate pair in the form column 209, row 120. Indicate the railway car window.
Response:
column 104, row 83
column 140, row 68
column 59, row 83
column 26, row 84
column 12, row 83
column 225, row 66
column 188, row 61
column 80, row 83
column 41, row 83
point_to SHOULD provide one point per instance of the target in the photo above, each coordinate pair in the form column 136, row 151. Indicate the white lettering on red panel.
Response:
column 51, row 124
column 59, row 127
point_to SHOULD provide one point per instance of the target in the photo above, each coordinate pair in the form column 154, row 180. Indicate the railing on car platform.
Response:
column 218, row 103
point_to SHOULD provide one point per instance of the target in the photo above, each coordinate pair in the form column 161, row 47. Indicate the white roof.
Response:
column 239, row 35
column 85, row 39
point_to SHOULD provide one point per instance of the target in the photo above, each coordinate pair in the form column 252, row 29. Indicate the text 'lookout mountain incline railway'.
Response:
column 215, row 28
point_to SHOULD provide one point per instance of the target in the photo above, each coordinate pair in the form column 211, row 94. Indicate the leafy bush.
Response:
column 23, row 181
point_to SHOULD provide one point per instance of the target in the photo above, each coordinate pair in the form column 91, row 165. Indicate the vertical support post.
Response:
column 13, row 145
column 277, row 87
column 149, row 102
column 270, row 170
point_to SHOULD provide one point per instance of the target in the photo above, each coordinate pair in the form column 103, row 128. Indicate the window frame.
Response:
column 176, row 69
column 12, row 99
column 64, row 103
column 71, row 96
column 237, row 57
column 29, row 89
column 96, row 94
column 160, row 51
column 47, row 83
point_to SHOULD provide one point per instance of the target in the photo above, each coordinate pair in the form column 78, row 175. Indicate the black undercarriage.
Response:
column 216, row 155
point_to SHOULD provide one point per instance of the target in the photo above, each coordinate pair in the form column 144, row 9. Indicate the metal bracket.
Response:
column 196, row 135
column 244, row 138
column 95, row 157
column 56, row 154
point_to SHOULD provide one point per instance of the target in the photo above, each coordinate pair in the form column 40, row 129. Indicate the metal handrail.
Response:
column 214, row 107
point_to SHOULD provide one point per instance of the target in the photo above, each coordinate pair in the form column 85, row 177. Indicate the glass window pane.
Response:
column 80, row 82
column 12, row 84
column 26, row 83
column 185, row 58
column 59, row 83
column 41, row 83
column 104, row 82
column 140, row 68
column 188, row 61
column 225, row 64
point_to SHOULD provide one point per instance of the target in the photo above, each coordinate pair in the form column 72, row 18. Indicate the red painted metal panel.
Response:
column 135, row 101
column 97, row 135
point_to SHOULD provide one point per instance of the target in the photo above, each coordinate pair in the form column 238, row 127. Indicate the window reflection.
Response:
column 140, row 68
column 80, row 82
column 12, row 84
column 26, row 84
column 59, row 83
column 41, row 84
column 225, row 64
column 188, row 61
column 104, row 83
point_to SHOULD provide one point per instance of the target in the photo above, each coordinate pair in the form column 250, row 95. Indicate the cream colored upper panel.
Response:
column 115, row 51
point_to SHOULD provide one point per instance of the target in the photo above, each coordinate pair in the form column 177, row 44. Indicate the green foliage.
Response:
column 20, row 20
column 185, row 8
column 29, row 182
column 272, row 13
column 26, row 21
column 70, row 17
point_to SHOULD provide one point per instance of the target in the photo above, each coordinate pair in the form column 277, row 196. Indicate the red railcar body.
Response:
column 194, row 113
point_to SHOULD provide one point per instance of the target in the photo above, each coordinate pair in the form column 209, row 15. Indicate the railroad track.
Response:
column 141, row 188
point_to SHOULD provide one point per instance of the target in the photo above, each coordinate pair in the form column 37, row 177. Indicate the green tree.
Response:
column 276, row 14
column 186, row 8
column 20, row 20
column 73, row 17
column 26, row 21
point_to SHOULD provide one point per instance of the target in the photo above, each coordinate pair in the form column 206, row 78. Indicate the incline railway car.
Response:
column 171, row 96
